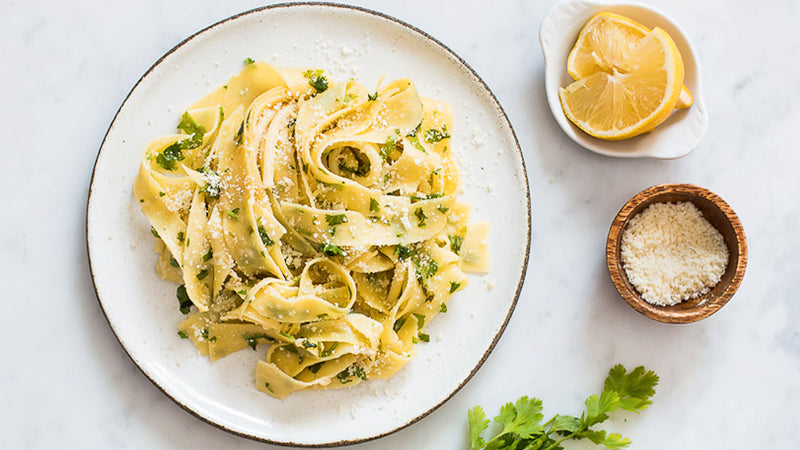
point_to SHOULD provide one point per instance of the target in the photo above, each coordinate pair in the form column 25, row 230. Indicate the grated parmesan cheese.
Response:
column 671, row 253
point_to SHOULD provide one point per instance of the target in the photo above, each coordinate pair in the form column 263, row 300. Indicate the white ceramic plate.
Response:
column 142, row 309
column 674, row 138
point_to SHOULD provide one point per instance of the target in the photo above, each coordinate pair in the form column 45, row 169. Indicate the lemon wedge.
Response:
column 606, row 38
column 628, row 78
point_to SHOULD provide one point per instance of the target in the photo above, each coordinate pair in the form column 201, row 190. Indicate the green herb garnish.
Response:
column 402, row 252
column 335, row 219
column 454, row 286
column 329, row 351
column 262, row 233
column 252, row 338
column 433, row 135
column 522, row 426
column 455, row 243
column 374, row 206
column 169, row 157
column 316, row 79
column 233, row 213
column 332, row 250
column 372, row 97
column 248, row 61
column 182, row 334
column 202, row 274
column 420, row 217
column 420, row 320
column 399, row 324
column 183, row 299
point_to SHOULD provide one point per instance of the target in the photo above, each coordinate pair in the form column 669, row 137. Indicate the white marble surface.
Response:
column 730, row 381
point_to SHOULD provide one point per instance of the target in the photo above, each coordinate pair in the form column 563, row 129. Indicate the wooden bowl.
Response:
column 719, row 214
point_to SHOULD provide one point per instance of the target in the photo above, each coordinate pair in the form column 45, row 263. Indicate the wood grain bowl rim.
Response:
column 707, row 304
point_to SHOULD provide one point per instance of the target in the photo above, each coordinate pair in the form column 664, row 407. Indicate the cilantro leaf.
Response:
column 634, row 388
column 316, row 80
column 478, row 423
column 522, row 418
column 522, row 426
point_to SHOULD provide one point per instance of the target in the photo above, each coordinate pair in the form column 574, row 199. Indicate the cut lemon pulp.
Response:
column 628, row 79
column 605, row 40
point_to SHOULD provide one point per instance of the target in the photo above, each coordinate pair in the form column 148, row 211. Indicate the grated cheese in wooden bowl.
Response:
column 671, row 253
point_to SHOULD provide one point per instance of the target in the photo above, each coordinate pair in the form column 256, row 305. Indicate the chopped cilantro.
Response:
column 433, row 135
column 329, row 351
column 454, row 286
column 390, row 145
column 399, row 324
column 402, row 252
column 443, row 308
column 168, row 159
column 373, row 97
column 252, row 338
column 359, row 372
column 316, row 79
column 420, row 320
column 265, row 237
column 183, row 299
column 189, row 126
column 421, row 217
column 332, row 250
column 182, row 334
column 335, row 219
column 344, row 377
column 425, row 266
column 455, row 243
column 374, row 206
column 287, row 336
column 202, row 274
column 237, row 139
column 248, row 61
column 161, row 193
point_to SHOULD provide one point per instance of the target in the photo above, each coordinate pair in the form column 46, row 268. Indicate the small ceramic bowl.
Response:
column 674, row 138
column 719, row 214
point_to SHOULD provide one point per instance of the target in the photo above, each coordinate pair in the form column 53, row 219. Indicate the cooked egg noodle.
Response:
column 320, row 223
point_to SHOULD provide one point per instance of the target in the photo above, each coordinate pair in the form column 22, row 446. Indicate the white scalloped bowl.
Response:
column 677, row 136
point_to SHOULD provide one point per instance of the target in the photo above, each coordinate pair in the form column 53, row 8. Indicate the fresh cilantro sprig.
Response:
column 522, row 421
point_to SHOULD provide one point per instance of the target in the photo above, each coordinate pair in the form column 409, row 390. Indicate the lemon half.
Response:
column 628, row 78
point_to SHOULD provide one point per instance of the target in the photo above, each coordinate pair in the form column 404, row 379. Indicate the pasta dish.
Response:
column 319, row 219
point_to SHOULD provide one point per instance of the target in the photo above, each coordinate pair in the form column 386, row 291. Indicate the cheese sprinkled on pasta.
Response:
column 318, row 217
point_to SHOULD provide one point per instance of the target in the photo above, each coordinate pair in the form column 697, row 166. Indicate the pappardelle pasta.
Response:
column 320, row 219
